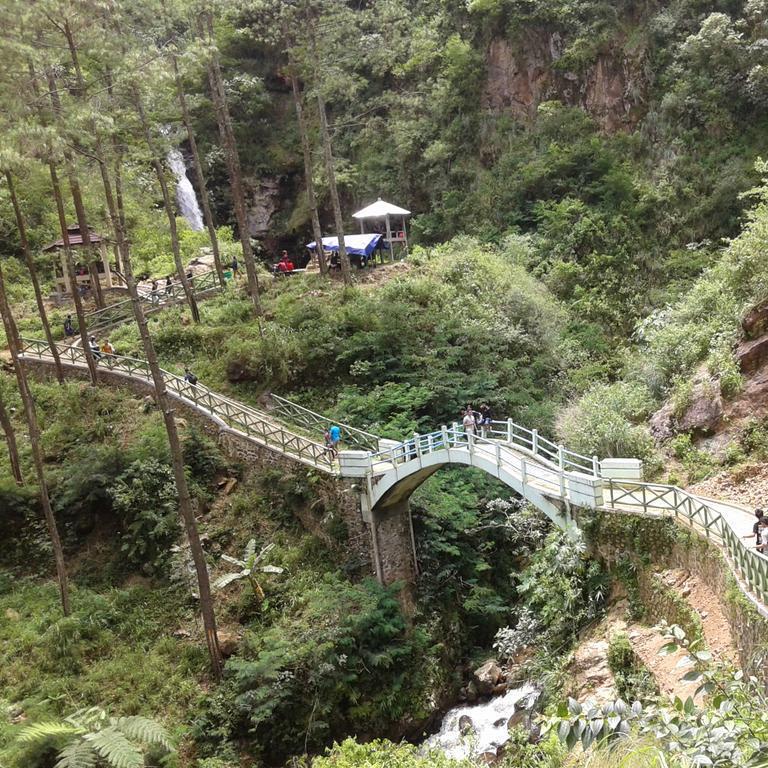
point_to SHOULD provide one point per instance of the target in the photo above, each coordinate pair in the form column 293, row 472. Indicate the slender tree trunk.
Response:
column 185, row 502
column 22, row 228
column 119, row 193
column 331, row 173
column 10, row 440
column 34, row 440
column 157, row 164
column 61, row 212
column 232, row 158
column 308, row 178
column 79, row 312
column 202, row 190
column 77, row 199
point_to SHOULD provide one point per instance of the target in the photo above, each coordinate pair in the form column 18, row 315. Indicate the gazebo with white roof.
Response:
column 384, row 210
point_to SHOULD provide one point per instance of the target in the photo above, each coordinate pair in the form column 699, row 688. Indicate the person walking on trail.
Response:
column 335, row 434
column 486, row 417
column 190, row 377
column 168, row 285
column 95, row 350
column 759, row 515
column 107, row 349
column 154, row 295
column 762, row 536
column 69, row 329
column 235, row 268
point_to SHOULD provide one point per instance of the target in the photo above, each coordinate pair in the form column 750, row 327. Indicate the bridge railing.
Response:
column 249, row 421
column 698, row 514
column 557, row 458
column 541, row 473
column 317, row 424
column 121, row 311
column 538, row 445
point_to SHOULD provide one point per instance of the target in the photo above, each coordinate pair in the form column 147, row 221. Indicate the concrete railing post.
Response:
column 510, row 431
column 523, row 471
column 535, row 441
column 596, row 466
column 561, row 464
column 444, row 432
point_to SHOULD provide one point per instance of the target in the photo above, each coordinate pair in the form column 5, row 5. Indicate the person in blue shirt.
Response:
column 335, row 433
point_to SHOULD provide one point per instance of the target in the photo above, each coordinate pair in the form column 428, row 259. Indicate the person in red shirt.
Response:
column 285, row 264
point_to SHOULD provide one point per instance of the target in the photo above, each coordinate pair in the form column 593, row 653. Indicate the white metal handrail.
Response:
column 513, row 435
column 254, row 424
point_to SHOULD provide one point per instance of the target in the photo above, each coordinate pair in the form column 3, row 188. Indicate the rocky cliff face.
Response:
column 523, row 73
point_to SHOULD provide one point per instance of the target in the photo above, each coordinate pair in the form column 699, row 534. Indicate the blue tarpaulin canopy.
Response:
column 357, row 245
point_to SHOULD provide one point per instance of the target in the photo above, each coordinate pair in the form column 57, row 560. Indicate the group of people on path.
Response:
column 477, row 422
column 105, row 349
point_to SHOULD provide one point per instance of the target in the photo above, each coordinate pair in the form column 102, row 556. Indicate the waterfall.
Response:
column 488, row 729
column 185, row 192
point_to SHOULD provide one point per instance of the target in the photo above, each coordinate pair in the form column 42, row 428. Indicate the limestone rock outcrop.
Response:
column 523, row 73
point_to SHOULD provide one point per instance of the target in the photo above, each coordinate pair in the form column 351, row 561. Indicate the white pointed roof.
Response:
column 379, row 210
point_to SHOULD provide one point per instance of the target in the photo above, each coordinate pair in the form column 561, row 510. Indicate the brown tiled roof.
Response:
column 75, row 238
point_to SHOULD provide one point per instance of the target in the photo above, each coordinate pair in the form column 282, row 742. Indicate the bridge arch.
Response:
column 389, row 478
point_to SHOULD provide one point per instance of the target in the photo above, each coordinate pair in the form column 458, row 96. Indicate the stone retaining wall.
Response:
column 653, row 544
column 334, row 496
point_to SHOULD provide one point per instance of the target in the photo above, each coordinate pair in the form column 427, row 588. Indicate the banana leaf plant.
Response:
column 249, row 566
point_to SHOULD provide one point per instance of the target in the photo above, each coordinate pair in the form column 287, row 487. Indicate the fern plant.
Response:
column 90, row 738
column 249, row 567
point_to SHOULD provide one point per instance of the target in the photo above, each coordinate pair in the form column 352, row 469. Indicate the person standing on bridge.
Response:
column 190, row 377
column 335, row 433
column 469, row 422
column 486, row 417
column 68, row 327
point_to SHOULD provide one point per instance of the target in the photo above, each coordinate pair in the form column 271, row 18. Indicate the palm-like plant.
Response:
column 91, row 738
column 249, row 567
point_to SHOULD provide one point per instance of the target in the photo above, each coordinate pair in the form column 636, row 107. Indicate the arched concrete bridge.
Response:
column 385, row 473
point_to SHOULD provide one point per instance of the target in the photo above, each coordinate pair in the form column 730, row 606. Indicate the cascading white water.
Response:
column 185, row 192
column 489, row 725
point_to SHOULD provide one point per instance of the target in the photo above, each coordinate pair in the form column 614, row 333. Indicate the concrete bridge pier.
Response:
column 394, row 550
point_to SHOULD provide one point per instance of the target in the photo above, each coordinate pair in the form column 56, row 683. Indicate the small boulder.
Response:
column 12, row 615
column 487, row 758
column 751, row 354
column 662, row 423
column 228, row 642
column 518, row 718
column 487, row 677
column 466, row 726
column 755, row 322
column 498, row 723
column 704, row 413
column 499, row 690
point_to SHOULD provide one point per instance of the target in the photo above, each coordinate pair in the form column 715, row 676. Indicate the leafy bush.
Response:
column 608, row 421
column 633, row 679
column 146, row 500
column 341, row 660
column 384, row 754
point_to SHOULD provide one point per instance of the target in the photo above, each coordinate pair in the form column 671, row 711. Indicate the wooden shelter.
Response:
column 386, row 212
column 108, row 278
